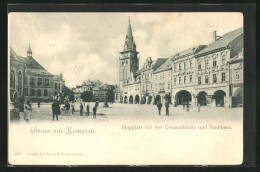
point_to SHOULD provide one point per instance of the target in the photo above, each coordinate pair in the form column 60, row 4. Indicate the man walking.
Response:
column 167, row 107
column 55, row 110
column 87, row 110
column 159, row 106
column 81, row 109
column 94, row 111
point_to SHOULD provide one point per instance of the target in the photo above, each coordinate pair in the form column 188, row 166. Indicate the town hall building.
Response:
column 209, row 75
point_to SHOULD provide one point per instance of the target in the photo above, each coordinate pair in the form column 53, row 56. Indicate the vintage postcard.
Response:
column 113, row 88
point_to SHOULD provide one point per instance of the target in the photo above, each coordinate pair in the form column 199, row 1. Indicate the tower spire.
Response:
column 129, row 40
column 29, row 51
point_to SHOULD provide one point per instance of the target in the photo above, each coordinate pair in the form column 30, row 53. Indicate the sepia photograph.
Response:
column 125, row 88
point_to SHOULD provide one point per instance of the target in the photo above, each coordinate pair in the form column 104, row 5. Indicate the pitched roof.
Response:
column 32, row 66
column 165, row 66
column 158, row 63
column 38, row 71
column 238, row 57
column 188, row 51
column 222, row 42
column 14, row 56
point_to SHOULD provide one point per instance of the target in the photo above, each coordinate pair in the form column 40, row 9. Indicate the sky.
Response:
column 85, row 46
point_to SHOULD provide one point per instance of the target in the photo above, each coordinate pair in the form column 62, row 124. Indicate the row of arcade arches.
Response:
column 181, row 97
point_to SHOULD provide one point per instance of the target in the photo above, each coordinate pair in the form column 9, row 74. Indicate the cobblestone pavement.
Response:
column 138, row 112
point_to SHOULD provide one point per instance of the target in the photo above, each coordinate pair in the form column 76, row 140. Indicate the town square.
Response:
column 126, row 88
column 203, row 81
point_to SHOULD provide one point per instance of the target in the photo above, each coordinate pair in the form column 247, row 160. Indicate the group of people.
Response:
column 56, row 109
column 87, row 109
column 159, row 106
column 167, row 104
column 20, row 110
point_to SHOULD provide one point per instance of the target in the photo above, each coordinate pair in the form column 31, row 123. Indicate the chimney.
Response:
column 214, row 36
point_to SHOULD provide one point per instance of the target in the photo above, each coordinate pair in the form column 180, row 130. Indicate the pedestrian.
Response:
column 159, row 106
column 81, row 109
column 14, row 112
column 21, row 108
column 96, row 104
column 198, row 106
column 28, row 111
column 94, row 111
column 87, row 110
column 188, row 105
column 55, row 110
column 67, row 107
column 167, row 108
column 72, row 107
column 39, row 103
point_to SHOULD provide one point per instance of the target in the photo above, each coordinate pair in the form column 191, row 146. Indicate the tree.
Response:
column 110, row 96
column 68, row 93
column 87, row 96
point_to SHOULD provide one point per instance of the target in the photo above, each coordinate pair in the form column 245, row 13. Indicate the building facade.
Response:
column 33, row 81
column 202, row 74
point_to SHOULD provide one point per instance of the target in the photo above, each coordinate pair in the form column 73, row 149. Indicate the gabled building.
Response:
column 200, row 74
column 212, row 68
column 34, row 82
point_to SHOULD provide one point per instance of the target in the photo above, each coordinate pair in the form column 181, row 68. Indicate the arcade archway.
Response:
column 137, row 99
column 201, row 98
column 182, row 97
column 219, row 97
column 237, row 98
column 143, row 100
column 125, row 100
column 131, row 99
column 149, row 101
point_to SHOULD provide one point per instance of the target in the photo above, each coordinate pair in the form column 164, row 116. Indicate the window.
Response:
column 190, row 78
column 12, row 79
column 156, row 87
column 45, row 93
column 39, row 94
column 206, row 79
column 175, row 68
column 143, row 87
column 214, row 62
column 199, row 80
column 56, row 86
column 32, row 81
column 223, row 59
column 39, row 83
column 206, row 64
column 185, row 78
column 184, row 65
column 191, row 64
column 151, row 86
column 32, row 92
column 47, row 82
column 161, row 86
column 237, row 75
column 180, row 67
column 223, row 78
column 26, row 91
column 169, row 85
column 179, row 80
column 214, row 78
column 59, row 86
column 199, row 65
column 174, row 81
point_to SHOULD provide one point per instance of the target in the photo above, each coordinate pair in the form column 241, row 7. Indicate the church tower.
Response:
column 29, row 51
column 128, row 60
